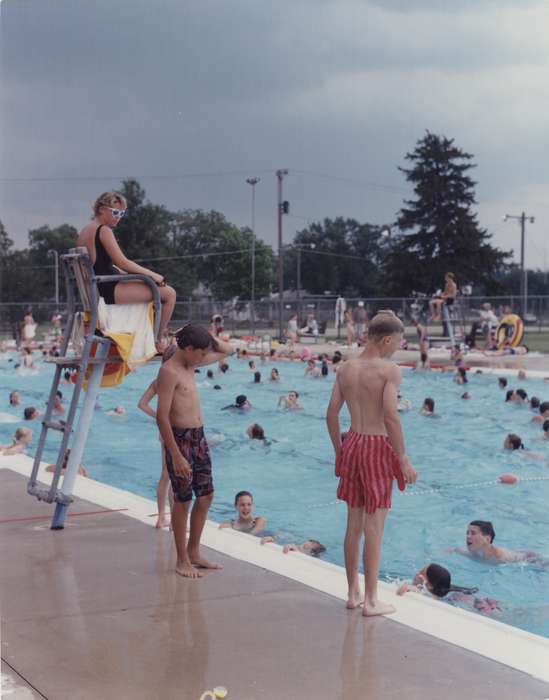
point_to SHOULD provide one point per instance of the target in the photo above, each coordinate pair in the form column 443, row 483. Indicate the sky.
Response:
column 191, row 98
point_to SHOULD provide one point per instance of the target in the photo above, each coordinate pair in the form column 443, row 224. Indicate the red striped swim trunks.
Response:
column 366, row 467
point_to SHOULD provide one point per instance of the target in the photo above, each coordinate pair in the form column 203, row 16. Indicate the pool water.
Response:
column 458, row 456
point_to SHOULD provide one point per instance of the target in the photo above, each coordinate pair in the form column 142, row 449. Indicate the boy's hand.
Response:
column 181, row 467
column 408, row 472
column 402, row 589
column 266, row 539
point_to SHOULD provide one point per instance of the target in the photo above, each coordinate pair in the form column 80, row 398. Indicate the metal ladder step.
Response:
column 77, row 361
column 56, row 425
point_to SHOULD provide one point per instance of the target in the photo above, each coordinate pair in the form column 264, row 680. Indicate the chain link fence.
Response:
column 237, row 315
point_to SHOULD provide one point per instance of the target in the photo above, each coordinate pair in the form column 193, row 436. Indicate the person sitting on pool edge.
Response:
column 312, row 547
column 479, row 540
column 436, row 580
column 543, row 413
column 290, row 402
column 241, row 403
column 246, row 521
column 428, row 407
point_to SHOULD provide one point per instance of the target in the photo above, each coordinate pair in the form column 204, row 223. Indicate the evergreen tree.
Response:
column 439, row 230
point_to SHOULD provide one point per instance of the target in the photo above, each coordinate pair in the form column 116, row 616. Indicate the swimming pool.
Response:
column 292, row 478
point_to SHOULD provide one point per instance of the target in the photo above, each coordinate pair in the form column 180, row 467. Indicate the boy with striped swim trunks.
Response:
column 372, row 453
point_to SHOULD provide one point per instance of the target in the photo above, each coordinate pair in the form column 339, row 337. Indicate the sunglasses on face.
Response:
column 119, row 213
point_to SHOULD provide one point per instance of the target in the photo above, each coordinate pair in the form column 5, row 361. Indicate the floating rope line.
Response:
column 441, row 490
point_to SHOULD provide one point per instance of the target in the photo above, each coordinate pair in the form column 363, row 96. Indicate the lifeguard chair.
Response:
column 89, row 364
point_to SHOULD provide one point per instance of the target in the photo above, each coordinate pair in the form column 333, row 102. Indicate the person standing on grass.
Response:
column 371, row 455
column 179, row 420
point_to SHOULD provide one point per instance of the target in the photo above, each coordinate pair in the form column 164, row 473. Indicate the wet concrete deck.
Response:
column 95, row 611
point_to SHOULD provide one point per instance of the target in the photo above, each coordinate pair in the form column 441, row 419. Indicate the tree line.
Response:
column 201, row 252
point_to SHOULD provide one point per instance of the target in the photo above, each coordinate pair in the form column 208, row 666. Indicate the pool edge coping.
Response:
column 511, row 646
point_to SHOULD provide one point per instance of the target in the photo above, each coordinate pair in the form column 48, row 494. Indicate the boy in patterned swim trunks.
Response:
column 180, row 423
column 372, row 453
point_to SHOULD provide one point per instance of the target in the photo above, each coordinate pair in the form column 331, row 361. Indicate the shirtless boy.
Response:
column 371, row 455
column 480, row 545
column 179, row 420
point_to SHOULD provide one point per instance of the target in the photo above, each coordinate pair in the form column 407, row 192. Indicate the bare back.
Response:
column 86, row 239
column 362, row 382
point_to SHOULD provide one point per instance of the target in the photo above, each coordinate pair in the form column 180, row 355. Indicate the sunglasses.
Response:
column 119, row 213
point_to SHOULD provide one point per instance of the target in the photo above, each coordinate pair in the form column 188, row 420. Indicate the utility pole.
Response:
column 298, row 285
column 253, row 182
column 523, row 282
column 283, row 208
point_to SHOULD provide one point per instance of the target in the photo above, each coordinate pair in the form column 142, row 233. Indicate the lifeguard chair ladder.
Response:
column 82, row 296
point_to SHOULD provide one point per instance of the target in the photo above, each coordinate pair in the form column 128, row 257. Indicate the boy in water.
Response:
column 480, row 545
column 180, row 423
column 371, row 455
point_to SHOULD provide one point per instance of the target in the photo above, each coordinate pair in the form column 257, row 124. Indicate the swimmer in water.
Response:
column 514, row 442
column 546, row 430
column 27, row 360
column 312, row 370
column 521, row 375
column 466, row 396
column 15, row 399
column 290, row 402
column 257, row 377
column 58, row 407
column 520, row 397
column 116, row 411
column 30, row 413
column 255, row 432
column 502, row 382
column 241, row 403
column 460, row 376
column 275, row 376
column 246, row 521
column 534, row 403
column 21, row 440
column 436, row 581
column 479, row 539
column 312, row 547
column 428, row 407
column 543, row 413
column 81, row 470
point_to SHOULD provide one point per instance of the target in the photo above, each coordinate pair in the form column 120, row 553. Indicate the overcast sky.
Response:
column 207, row 93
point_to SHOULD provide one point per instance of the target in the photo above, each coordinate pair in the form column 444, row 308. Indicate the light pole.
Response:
column 523, row 283
column 299, row 248
column 253, row 182
column 282, row 209
column 56, row 257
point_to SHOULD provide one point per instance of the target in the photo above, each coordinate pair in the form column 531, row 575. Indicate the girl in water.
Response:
column 246, row 521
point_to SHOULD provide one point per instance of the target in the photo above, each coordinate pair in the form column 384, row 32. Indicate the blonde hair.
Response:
column 384, row 323
column 21, row 432
column 109, row 199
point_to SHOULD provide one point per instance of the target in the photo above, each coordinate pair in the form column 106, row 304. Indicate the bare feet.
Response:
column 354, row 600
column 377, row 607
column 205, row 564
column 162, row 521
column 187, row 570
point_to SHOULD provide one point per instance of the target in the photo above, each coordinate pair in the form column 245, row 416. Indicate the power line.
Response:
column 353, row 181
column 196, row 255
column 97, row 178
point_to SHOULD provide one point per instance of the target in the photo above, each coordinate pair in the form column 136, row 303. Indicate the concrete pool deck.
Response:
column 95, row 611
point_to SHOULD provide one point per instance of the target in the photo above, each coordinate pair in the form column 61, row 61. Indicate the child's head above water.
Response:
column 534, row 402
column 544, row 409
column 522, row 394
column 428, row 405
column 513, row 442
column 243, row 502
column 502, row 382
column 255, row 432
column 509, row 395
column 313, row 547
column 479, row 534
column 23, row 435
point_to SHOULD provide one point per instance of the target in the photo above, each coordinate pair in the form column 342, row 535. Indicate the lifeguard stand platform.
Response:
column 89, row 364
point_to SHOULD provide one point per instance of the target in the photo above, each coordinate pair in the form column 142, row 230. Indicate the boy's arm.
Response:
column 220, row 350
column 392, row 422
column 145, row 400
column 332, row 416
column 165, row 386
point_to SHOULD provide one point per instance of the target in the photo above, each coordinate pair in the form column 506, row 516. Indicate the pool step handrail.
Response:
column 82, row 296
